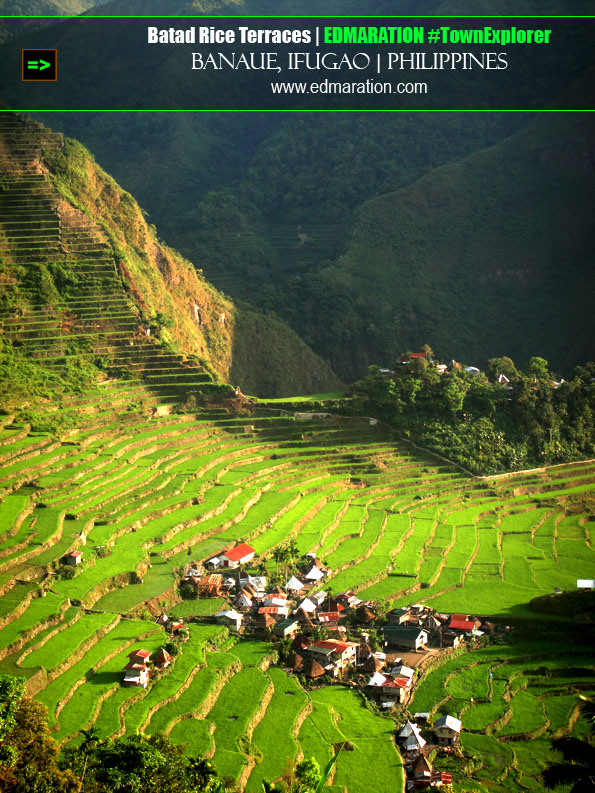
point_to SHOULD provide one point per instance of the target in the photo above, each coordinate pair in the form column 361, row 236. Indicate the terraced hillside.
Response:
column 65, row 305
column 151, row 467
column 512, row 701
column 87, row 288
column 138, row 495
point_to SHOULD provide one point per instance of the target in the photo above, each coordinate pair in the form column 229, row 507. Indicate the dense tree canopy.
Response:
column 484, row 422
column 31, row 762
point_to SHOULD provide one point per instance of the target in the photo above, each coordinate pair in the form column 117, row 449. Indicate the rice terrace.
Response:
column 262, row 581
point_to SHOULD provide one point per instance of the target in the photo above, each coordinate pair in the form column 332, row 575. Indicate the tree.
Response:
column 28, row 754
column 188, row 591
column 278, row 556
column 453, row 395
column 307, row 776
column 577, row 768
column 502, row 365
column 538, row 367
column 147, row 764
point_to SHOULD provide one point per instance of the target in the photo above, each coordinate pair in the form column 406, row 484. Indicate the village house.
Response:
column 306, row 624
column 410, row 737
column 135, row 675
column 318, row 598
column 326, row 617
column 243, row 601
column 461, row 623
column 372, row 664
column 74, row 558
column 364, row 615
column 231, row 619
column 162, row 659
column 424, row 775
column 450, row 639
column 277, row 612
column 333, row 655
column 274, row 600
column 287, row 627
column 294, row 586
column 136, row 672
column 258, row 583
column 388, row 690
column 421, row 768
column 307, row 605
column 447, row 730
column 408, row 638
column 411, row 356
column 312, row 668
column 175, row 626
column 264, row 621
column 400, row 670
column 209, row 585
column 348, row 599
column 314, row 574
column 398, row 616
column 232, row 557
column 139, row 657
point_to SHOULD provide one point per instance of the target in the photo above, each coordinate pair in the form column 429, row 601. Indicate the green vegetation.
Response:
column 512, row 699
column 121, row 444
column 477, row 422
column 314, row 237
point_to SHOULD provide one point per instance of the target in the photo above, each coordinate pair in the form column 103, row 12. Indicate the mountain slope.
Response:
column 489, row 256
column 267, row 204
column 84, row 278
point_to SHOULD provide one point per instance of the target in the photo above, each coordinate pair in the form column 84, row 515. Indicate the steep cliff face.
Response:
column 87, row 283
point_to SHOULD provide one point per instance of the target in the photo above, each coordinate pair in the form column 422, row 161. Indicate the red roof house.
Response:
column 135, row 675
column 340, row 653
column 241, row 554
column 408, row 357
column 162, row 659
column 139, row 657
column 462, row 625
column 329, row 616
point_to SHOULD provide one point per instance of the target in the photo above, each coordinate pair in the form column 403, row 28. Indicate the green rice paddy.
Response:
column 142, row 497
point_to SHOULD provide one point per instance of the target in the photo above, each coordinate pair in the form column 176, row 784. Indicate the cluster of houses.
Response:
column 281, row 610
column 141, row 667
column 330, row 636
column 414, row 627
column 442, row 368
column 416, row 748
column 300, row 608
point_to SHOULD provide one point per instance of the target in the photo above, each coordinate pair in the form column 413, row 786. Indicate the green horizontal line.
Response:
column 317, row 110
column 297, row 16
